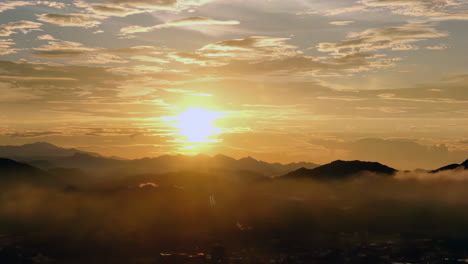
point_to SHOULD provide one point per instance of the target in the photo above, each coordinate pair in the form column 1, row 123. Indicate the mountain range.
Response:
column 340, row 169
column 12, row 172
column 463, row 165
column 17, row 172
column 47, row 156
column 47, row 159
column 39, row 150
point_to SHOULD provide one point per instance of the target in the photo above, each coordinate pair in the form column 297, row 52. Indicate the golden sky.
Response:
column 295, row 80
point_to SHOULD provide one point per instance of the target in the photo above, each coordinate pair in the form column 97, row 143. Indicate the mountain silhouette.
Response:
column 38, row 150
column 48, row 156
column 341, row 170
column 452, row 167
column 8, row 166
column 13, row 171
column 465, row 164
column 173, row 163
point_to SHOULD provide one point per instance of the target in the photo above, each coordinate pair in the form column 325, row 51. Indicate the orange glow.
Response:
column 195, row 125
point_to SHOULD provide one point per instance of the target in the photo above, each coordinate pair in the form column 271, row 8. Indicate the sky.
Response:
column 281, row 81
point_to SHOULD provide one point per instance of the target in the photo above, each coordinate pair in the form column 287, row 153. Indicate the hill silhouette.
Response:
column 174, row 163
column 339, row 169
column 8, row 166
column 13, row 171
column 452, row 167
column 47, row 156
column 39, row 150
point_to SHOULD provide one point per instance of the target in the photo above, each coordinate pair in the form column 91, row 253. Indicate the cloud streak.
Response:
column 6, row 46
column 185, row 22
column 71, row 20
column 22, row 26
column 382, row 38
column 433, row 9
column 342, row 23
column 61, row 49
column 9, row 5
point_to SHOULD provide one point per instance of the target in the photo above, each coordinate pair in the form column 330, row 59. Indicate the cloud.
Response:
column 255, row 47
column 60, row 50
column 342, row 23
column 8, row 5
column 52, row 4
column 152, row 54
column 33, row 78
column 56, row 88
column 290, row 66
column 193, row 58
column 32, row 134
column 27, row 74
column 100, row 58
column 433, row 9
column 107, row 10
column 260, row 55
column 344, row 10
column 139, row 50
column 149, row 59
column 46, row 37
column 185, row 22
column 6, row 46
column 21, row 26
column 156, row 4
column 414, row 7
column 112, row 10
column 454, row 16
column 382, row 38
column 197, row 21
column 14, row 94
column 124, row 8
column 174, row 5
column 405, row 47
column 438, row 47
column 71, row 20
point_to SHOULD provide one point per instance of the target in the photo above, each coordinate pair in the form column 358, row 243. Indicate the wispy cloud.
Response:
column 173, row 5
column 434, row 9
column 6, row 46
column 438, row 47
column 18, row 26
column 105, row 9
column 61, row 49
column 71, row 20
column 342, row 23
column 383, row 38
column 8, row 5
column 185, row 22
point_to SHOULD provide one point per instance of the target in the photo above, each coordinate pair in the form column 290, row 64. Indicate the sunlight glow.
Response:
column 195, row 125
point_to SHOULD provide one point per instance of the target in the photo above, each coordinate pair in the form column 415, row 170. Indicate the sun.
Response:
column 195, row 125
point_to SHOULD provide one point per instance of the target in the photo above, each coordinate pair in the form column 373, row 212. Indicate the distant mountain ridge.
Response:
column 452, row 167
column 48, row 156
column 338, row 170
column 38, row 150
column 13, row 171
column 11, row 166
